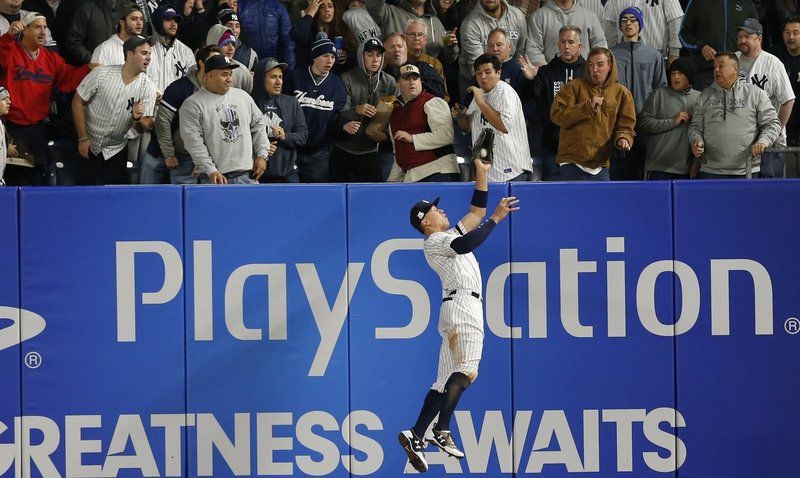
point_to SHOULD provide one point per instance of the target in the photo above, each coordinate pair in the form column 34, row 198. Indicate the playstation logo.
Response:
column 24, row 325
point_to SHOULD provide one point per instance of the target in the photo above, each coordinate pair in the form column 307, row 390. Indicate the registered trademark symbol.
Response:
column 792, row 326
column 33, row 360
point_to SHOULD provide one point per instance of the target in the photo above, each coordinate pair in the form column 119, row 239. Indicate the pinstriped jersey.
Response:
column 769, row 74
column 457, row 271
column 109, row 105
column 512, row 153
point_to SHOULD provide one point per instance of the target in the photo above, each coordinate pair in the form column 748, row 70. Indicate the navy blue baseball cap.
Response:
column 419, row 210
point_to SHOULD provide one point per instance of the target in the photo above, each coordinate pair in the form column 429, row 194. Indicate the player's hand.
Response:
column 757, row 149
column 681, row 117
column 481, row 167
column 11, row 150
column 477, row 93
column 506, row 206
column 259, row 166
column 708, row 53
column 273, row 147
column 83, row 148
column 366, row 110
column 278, row 132
column 171, row 162
column 623, row 144
column 217, row 178
column 403, row 137
column 597, row 102
column 698, row 148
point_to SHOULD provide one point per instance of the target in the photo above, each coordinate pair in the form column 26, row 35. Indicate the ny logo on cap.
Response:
column 421, row 214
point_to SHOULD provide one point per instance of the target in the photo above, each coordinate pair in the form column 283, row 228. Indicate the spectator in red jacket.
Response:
column 31, row 72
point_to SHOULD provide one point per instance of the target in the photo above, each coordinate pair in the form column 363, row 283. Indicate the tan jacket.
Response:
column 587, row 135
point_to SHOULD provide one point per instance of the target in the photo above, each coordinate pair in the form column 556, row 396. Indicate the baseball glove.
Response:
column 483, row 148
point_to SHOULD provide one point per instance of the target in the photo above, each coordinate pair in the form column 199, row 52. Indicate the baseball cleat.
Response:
column 444, row 440
column 414, row 449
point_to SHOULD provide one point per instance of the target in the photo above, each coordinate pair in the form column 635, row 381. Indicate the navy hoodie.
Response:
column 321, row 104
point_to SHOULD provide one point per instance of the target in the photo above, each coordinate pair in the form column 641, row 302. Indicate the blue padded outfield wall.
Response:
column 642, row 329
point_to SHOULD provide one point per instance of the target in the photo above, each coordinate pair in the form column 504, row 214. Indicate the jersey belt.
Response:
column 451, row 293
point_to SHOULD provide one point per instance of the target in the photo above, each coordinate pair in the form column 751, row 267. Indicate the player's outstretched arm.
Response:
column 506, row 206
column 477, row 209
column 474, row 238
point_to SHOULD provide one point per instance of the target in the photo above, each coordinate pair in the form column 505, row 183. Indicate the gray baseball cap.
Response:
column 752, row 25
column 271, row 63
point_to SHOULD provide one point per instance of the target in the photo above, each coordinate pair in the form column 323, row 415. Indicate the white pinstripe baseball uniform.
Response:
column 512, row 154
column 109, row 53
column 769, row 74
column 169, row 64
column 461, row 315
column 108, row 107
column 662, row 23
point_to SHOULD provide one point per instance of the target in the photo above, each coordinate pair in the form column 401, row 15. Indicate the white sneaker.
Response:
column 414, row 449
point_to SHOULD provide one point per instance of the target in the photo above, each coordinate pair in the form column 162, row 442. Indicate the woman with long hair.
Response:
column 324, row 16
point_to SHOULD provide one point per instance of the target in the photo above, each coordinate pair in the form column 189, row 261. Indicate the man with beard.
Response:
column 98, row 108
column 547, row 82
column 30, row 72
column 170, row 61
column 766, row 71
column 789, row 53
column 131, row 23
column 596, row 114
column 223, row 130
column 171, row 58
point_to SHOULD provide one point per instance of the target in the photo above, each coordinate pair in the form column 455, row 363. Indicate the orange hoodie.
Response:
column 587, row 135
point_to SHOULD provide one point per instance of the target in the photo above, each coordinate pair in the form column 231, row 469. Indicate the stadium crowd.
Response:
column 286, row 91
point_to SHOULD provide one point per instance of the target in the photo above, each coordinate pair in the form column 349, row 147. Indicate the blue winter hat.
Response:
column 636, row 13
column 322, row 45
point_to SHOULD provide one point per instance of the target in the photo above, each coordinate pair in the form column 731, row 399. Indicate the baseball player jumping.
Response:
column 449, row 252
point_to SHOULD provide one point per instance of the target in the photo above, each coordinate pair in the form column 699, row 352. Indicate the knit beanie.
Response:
column 322, row 45
column 636, row 13
column 685, row 66
column 227, row 15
